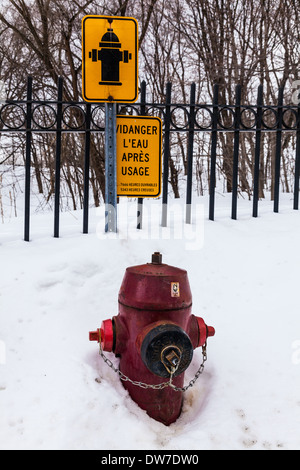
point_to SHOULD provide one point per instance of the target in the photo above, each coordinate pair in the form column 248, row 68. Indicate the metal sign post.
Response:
column 110, row 168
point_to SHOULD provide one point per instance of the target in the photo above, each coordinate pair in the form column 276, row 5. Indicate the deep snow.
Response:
column 244, row 277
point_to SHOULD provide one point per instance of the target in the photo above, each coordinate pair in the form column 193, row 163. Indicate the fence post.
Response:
column 257, row 149
column 278, row 150
column 213, row 154
column 237, row 121
column 28, row 160
column 86, row 168
column 166, row 155
column 58, row 157
column 140, row 199
column 297, row 163
column 190, row 155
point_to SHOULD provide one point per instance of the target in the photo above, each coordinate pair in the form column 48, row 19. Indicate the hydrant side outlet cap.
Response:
column 164, row 343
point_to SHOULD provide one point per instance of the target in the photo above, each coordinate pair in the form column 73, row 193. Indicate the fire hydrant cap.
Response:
column 166, row 338
column 210, row 331
column 105, row 333
column 155, row 286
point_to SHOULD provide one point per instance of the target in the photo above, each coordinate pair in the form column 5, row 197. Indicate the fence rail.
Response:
column 33, row 116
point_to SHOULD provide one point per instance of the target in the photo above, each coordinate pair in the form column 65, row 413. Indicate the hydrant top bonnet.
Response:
column 155, row 286
column 110, row 39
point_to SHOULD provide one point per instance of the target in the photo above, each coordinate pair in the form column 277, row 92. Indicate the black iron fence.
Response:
column 242, row 118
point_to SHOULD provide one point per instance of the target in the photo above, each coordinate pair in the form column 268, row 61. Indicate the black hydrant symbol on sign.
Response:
column 110, row 57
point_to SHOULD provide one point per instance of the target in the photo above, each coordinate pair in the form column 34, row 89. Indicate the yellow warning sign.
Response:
column 139, row 144
column 109, row 59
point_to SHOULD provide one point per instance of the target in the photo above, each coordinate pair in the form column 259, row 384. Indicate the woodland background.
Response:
column 224, row 42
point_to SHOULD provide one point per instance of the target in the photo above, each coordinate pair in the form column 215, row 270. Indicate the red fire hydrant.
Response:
column 154, row 336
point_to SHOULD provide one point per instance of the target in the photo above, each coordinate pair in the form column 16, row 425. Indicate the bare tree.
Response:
column 224, row 42
column 43, row 39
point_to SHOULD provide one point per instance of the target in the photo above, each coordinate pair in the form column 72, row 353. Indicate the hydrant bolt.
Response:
column 94, row 335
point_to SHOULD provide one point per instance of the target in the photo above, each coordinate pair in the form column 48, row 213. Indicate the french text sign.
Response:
column 139, row 143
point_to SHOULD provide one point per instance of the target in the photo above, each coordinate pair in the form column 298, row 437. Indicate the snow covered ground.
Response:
column 244, row 277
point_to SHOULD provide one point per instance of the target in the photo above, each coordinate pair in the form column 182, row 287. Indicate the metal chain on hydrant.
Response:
column 162, row 385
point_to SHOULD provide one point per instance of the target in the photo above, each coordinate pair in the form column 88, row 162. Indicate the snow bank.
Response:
column 55, row 390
